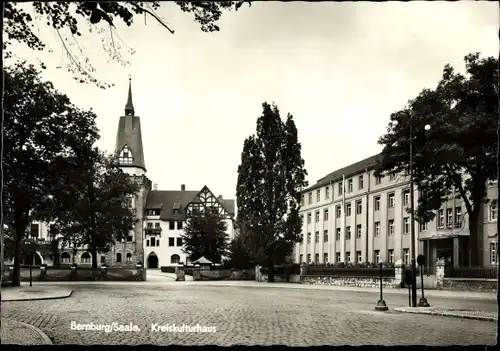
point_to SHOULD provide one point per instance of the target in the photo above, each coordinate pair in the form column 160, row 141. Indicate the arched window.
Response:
column 175, row 259
column 85, row 257
column 126, row 155
column 494, row 210
column 118, row 257
column 129, row 257
column 65, row 257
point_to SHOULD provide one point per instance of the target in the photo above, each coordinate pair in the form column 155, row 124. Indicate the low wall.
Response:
column 223, row 274
column 61, row 274
column 470, row 284
column 278, row 278
column 294, row 278
column 360, row 282
column 430, row 282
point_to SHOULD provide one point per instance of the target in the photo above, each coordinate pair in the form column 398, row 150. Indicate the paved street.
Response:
column 247, row 315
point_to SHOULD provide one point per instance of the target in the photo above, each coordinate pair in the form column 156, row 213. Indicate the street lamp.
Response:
column 412, row 219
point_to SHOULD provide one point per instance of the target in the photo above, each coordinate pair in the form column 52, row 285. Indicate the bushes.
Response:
column 167, row 269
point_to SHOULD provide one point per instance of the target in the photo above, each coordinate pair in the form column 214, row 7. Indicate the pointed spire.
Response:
column 129, row 107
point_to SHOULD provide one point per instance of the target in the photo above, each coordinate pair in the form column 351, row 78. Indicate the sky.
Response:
column 340, row 69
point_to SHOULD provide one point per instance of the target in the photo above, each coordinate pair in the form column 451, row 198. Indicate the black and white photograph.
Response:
column 257, row 173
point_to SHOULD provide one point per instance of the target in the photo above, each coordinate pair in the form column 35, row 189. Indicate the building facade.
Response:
column 162, row 214
column 352, row 216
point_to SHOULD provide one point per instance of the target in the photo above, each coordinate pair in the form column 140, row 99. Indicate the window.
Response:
column 316, row 237
column 119, row 257
column 65, row 257
column 302, row 200
column 493, row 253
column 128, row 258
column 449, row 217
column 440, row 219
column 85, row 257
column 175, row 259
column 348, row 210
column 301, row 219
column 179, row 225
column 103, row 259
column 494, row 210
column 377, row 256
column 125, row 156
column 458, row 217
column 340, row 189
column 337, row 234
column 171, row 241
column 406, row 225
column 309, row 218
column 316, row 216
column 301, row 258
column 129, row 238
column 390, row 253
column 350, row 185
column 423, row 227
column 327, row 192
column 325, row 215
column 390, row 226
column 391, row 200
column 308, row 258
column 310, row 198
column 359, row 207
column 338, row 212
column 348, row 256
column 376, row 203
column 157, row 225
column 406, row 256
column 34, row 230
column 308, row 238
column 337, row 257
column 347, row 233
column 171, row 225
column 325, row 236
column 316, row 258
column 154, row 242
column 378, row 180
column 147, row 242
column 325, row 258
column 318, row 195
column 179, row 241
column 360, row 182
column 406, row 197
column 359, row 258
column 358, row 231
column 152, row 212
column 377, row 229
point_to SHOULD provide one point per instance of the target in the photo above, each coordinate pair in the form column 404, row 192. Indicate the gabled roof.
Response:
column 348, row 171
column 203, row 260
column 168, row 200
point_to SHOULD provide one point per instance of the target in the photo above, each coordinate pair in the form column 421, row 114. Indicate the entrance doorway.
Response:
column 152, row 260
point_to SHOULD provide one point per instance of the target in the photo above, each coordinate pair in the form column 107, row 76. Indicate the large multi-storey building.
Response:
column 156, row 239
column 352, row 216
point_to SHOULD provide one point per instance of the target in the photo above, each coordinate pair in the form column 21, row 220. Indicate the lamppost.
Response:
column 412, row 217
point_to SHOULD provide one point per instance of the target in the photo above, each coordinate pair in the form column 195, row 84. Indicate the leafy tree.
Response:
column 63, row 15
column 205, row 235
column 91, row 208
column 40, row 126
column 240, row 250
column 458, row 154
column 270, row 177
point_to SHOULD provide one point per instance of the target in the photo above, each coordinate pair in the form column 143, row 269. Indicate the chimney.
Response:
column 155, row 186
column 220, row 197
column 183, row 187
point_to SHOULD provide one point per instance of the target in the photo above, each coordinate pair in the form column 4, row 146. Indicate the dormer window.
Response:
column 126, row 156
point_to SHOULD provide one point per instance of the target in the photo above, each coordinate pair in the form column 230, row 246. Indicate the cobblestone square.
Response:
column 246, row 316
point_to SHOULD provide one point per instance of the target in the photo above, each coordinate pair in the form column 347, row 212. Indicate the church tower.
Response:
column 131, row 160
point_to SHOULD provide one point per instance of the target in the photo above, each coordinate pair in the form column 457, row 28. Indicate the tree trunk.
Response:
column 16, row 277
column 475, row 257
column 270, row 271
column 94, row 255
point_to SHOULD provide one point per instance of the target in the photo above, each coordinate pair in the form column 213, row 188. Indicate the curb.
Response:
column 40, row 298
column 44, row 336
column 445, row 314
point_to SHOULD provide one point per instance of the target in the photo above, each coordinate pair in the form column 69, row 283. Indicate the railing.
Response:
column 428, row 270
column 472, row 272
column 350, row 272
column 153, row 231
